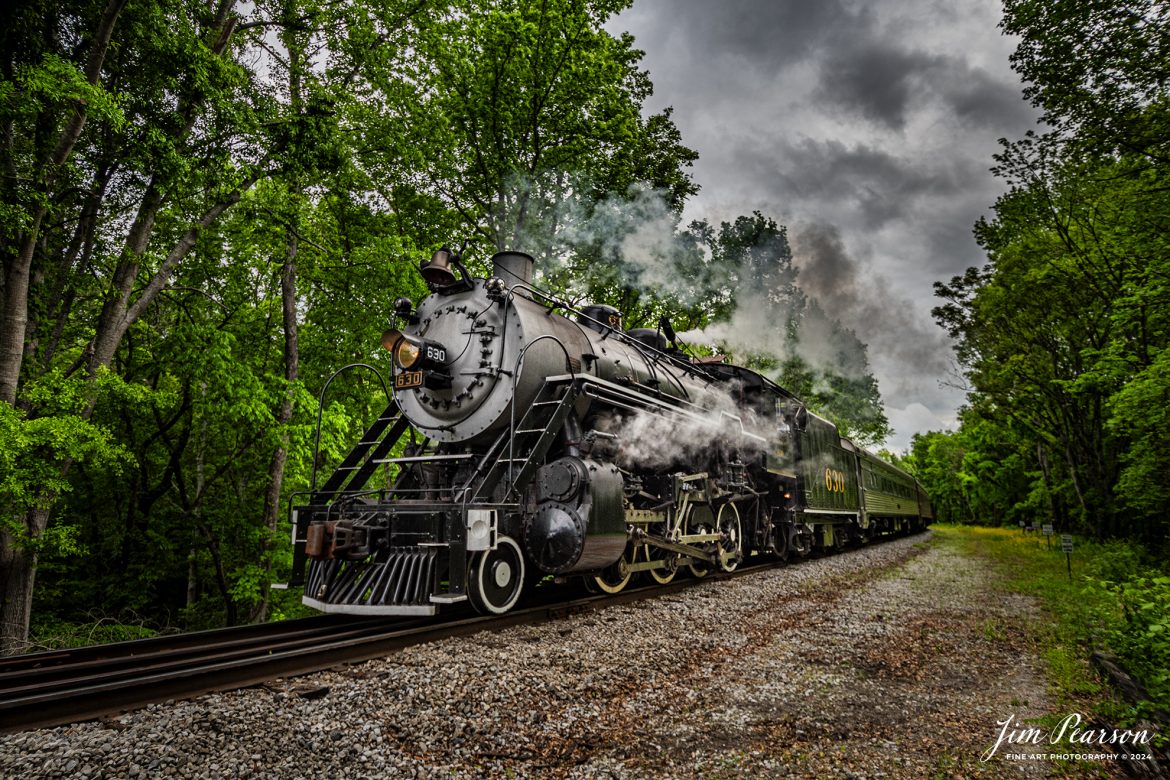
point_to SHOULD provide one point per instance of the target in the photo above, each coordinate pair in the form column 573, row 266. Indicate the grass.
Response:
column 54, row 634
column 993, row 631
column 1080, row 615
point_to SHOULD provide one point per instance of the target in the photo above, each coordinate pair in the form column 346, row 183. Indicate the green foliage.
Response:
column 1140, row 413
column 935, row 459
column 519, row 113
column 1063, row 334
column 54, row 81
column 52, row 634
column 31, row 458
column 1063, row 345
column 1143, row 640
column 1098, row 69
column 1117, row 562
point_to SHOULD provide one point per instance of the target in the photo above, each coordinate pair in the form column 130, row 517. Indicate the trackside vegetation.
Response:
column 1063, row 336
column 1063, row 342
column 1117, row 601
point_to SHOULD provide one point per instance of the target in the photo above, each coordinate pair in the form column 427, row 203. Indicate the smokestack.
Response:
column 513, row 267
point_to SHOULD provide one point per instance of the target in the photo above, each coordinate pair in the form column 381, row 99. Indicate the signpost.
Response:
column 1047, row 529
column 1066, row 545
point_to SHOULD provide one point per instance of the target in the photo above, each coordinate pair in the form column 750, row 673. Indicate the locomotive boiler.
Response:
column 526, row 438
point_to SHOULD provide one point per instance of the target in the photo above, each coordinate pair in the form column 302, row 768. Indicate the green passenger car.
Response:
column 848, row 492
column 890, row 496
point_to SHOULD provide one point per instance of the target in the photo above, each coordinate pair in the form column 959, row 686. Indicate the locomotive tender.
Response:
column 527, row 439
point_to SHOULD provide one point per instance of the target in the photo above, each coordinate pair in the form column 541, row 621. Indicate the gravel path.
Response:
column 892, row 661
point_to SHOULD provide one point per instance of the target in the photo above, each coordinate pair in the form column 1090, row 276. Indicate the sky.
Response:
column 867, row 129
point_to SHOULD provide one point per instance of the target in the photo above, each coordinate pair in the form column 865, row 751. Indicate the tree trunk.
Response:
column 17, row 275
column 1042, row 458
column 14, row 322
column 18, row 572
column 192, row 576
column 231, row 616
column 293, row 44
column 1076, row 482
column 288, row 295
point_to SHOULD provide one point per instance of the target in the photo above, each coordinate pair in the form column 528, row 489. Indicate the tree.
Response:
column 758, row 310
column 1065, row 317
column 936, row 460
column 522, row 112
column 1062, row 333
column 73, row 155
column 132, row 131
column 1099, row 69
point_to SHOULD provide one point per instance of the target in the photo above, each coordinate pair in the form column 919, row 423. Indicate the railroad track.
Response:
column 57, row 687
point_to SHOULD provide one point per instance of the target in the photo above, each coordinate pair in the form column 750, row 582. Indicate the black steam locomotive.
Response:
column 528, row 439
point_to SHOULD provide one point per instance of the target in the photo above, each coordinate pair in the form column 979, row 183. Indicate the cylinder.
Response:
column 580, row 522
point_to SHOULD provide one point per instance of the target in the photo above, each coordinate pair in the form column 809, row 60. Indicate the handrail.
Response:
column 321, row 409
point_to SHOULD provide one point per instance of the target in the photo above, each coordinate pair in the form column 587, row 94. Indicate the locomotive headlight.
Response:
column 390, row 339
column 412, row 352
column 406, row 354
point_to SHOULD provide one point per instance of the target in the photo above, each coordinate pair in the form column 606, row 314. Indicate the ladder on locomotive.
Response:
column 350, row 476
column 363, row 460
column 517, row 453
column 514, row 456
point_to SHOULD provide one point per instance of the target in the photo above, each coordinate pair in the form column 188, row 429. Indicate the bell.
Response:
column 438, row 271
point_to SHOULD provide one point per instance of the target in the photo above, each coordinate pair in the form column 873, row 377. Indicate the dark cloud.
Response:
column 876, row 80
column 885, row 83
column 876, row 185
column 948, row 238
column 760, row 34
column 981, row 99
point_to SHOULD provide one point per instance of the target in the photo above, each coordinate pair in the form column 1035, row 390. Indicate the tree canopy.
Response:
column 1063, row 334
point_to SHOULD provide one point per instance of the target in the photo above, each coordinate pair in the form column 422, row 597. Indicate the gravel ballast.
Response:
column 895, row 660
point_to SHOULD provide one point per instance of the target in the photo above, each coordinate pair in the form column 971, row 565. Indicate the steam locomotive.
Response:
column 527, row 439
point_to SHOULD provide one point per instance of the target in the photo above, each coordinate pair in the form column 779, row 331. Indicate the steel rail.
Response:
column 60, row 687
column 134, row 681
column 40, row 682
column 113, row 652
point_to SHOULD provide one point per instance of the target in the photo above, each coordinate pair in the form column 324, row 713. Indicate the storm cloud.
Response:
column 876, row 81
column 868, row 129
column 760, row 36
column 874, row 185
column 864, row 301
